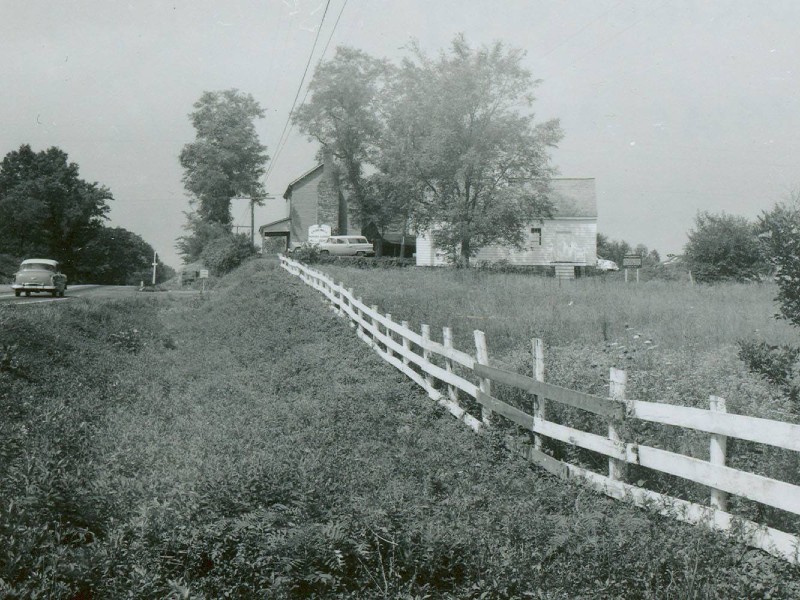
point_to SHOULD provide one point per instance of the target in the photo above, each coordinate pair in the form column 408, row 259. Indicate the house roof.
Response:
column 279, row 226
column 287, row 194
column 573, row 197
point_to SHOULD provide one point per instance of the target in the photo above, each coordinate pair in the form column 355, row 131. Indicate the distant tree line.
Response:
column 48, row 211
column 616, row 250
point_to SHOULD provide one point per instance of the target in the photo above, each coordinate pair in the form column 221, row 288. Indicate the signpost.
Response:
column 632, row 261
column 203, row 276
column 317, row 233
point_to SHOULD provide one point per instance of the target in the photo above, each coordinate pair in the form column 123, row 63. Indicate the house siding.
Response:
column 563, row 240
column 304, row 207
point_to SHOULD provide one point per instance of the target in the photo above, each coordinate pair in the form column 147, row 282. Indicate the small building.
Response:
column 565, row 241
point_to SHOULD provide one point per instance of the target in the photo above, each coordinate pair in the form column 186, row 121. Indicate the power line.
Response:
column 299, row 88
column 319, row 60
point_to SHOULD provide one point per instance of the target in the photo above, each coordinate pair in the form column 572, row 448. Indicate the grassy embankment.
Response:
column 248, row 445
column 676, row 341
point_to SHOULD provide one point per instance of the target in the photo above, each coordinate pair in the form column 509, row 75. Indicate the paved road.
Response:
column 73, row 292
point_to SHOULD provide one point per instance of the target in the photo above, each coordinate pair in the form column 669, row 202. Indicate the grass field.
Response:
column 246, row 444
column 677, row 343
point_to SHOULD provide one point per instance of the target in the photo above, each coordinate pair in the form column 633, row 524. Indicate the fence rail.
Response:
column 465, row 378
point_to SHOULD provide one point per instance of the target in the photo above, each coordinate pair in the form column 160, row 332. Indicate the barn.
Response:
column 565, row 241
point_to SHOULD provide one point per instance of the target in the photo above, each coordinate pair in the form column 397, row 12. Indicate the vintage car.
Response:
column 39, row 275
column 346, row 245
column 606, row 265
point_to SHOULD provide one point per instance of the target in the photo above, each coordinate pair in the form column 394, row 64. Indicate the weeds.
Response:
column 268, row 453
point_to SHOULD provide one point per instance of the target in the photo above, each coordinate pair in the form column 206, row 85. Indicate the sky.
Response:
column 673, row 106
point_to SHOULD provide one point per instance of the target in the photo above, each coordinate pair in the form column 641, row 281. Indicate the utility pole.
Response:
column 155, row 265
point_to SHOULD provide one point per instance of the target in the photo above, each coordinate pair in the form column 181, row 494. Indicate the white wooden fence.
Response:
column 466, row 377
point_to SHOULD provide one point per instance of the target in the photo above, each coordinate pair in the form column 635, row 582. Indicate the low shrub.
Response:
column 223, row 254
column 778, row 364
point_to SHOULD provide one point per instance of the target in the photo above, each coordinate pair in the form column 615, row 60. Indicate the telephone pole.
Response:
column 155, row 265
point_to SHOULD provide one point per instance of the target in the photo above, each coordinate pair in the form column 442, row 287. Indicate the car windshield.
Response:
column 37, row 267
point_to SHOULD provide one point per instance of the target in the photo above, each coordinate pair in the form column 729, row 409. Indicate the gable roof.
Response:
column 573, row 197
column 287, row 194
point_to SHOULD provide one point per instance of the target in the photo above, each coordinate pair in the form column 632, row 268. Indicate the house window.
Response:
column 537, row 234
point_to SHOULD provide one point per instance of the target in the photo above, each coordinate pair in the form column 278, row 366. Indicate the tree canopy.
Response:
column 344, row 115
column 451, row 141
column 474, row 144
column 724, row 247
column 46, row 209
column 226, row 159
column 780, row 236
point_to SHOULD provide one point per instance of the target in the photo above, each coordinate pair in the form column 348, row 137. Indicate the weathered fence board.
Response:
column 587, row 402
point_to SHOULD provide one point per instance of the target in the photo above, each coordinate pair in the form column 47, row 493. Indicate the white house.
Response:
column 565, row 241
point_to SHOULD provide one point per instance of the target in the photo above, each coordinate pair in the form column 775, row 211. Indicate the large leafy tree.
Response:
column 46, row 209
column 724, row 247
column 780, row 236
column 116, row 256
column 226, row 159
column 344, row 115
column 473, row 144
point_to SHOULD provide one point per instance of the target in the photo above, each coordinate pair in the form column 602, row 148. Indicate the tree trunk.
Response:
column 465, row 252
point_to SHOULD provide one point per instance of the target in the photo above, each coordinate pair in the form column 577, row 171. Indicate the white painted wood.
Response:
column 618, row 380
column 754, row 429
column 406, row 344
column 375, row 325
column 389, row 333
column 447, row 338
column 482, row 357
column 748, row 485
column 583, row 439
column 540, row 407
column 426, row 354
column 717, row 449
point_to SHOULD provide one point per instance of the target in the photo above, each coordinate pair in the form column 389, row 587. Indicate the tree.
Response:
column 780, row 236
column 474, row 145
column 46, row 209
column 226, row 159
column 201, row 233
column 344, row 116
column 724, row 247
column 225, row 253
column 116, row 256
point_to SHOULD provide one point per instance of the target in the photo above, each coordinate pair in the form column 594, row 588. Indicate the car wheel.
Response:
column 324, row 252
column 16, row 293
column 359, row 253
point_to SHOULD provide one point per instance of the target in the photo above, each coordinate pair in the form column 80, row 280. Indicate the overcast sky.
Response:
column 673, row 106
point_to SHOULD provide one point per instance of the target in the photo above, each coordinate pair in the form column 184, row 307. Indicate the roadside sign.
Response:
column 632, row 260
column 317, row 233
column 203, row 273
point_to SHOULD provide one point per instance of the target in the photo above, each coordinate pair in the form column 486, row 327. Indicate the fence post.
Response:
column 482, row 358
column 717, row 449
column 359, row 327
column 342, row 299
column 426, row 354
column 539, row 409
column 447, row 336
column 390, row 335
column 376, row 327
column 406, row 344
column 617, row 380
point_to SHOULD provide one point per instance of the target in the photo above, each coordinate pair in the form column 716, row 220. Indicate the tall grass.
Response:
column 247, row 445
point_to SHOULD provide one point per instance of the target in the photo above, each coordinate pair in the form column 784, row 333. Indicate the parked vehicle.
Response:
column 39, row 275
column 606, row 265
column 346, row 245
